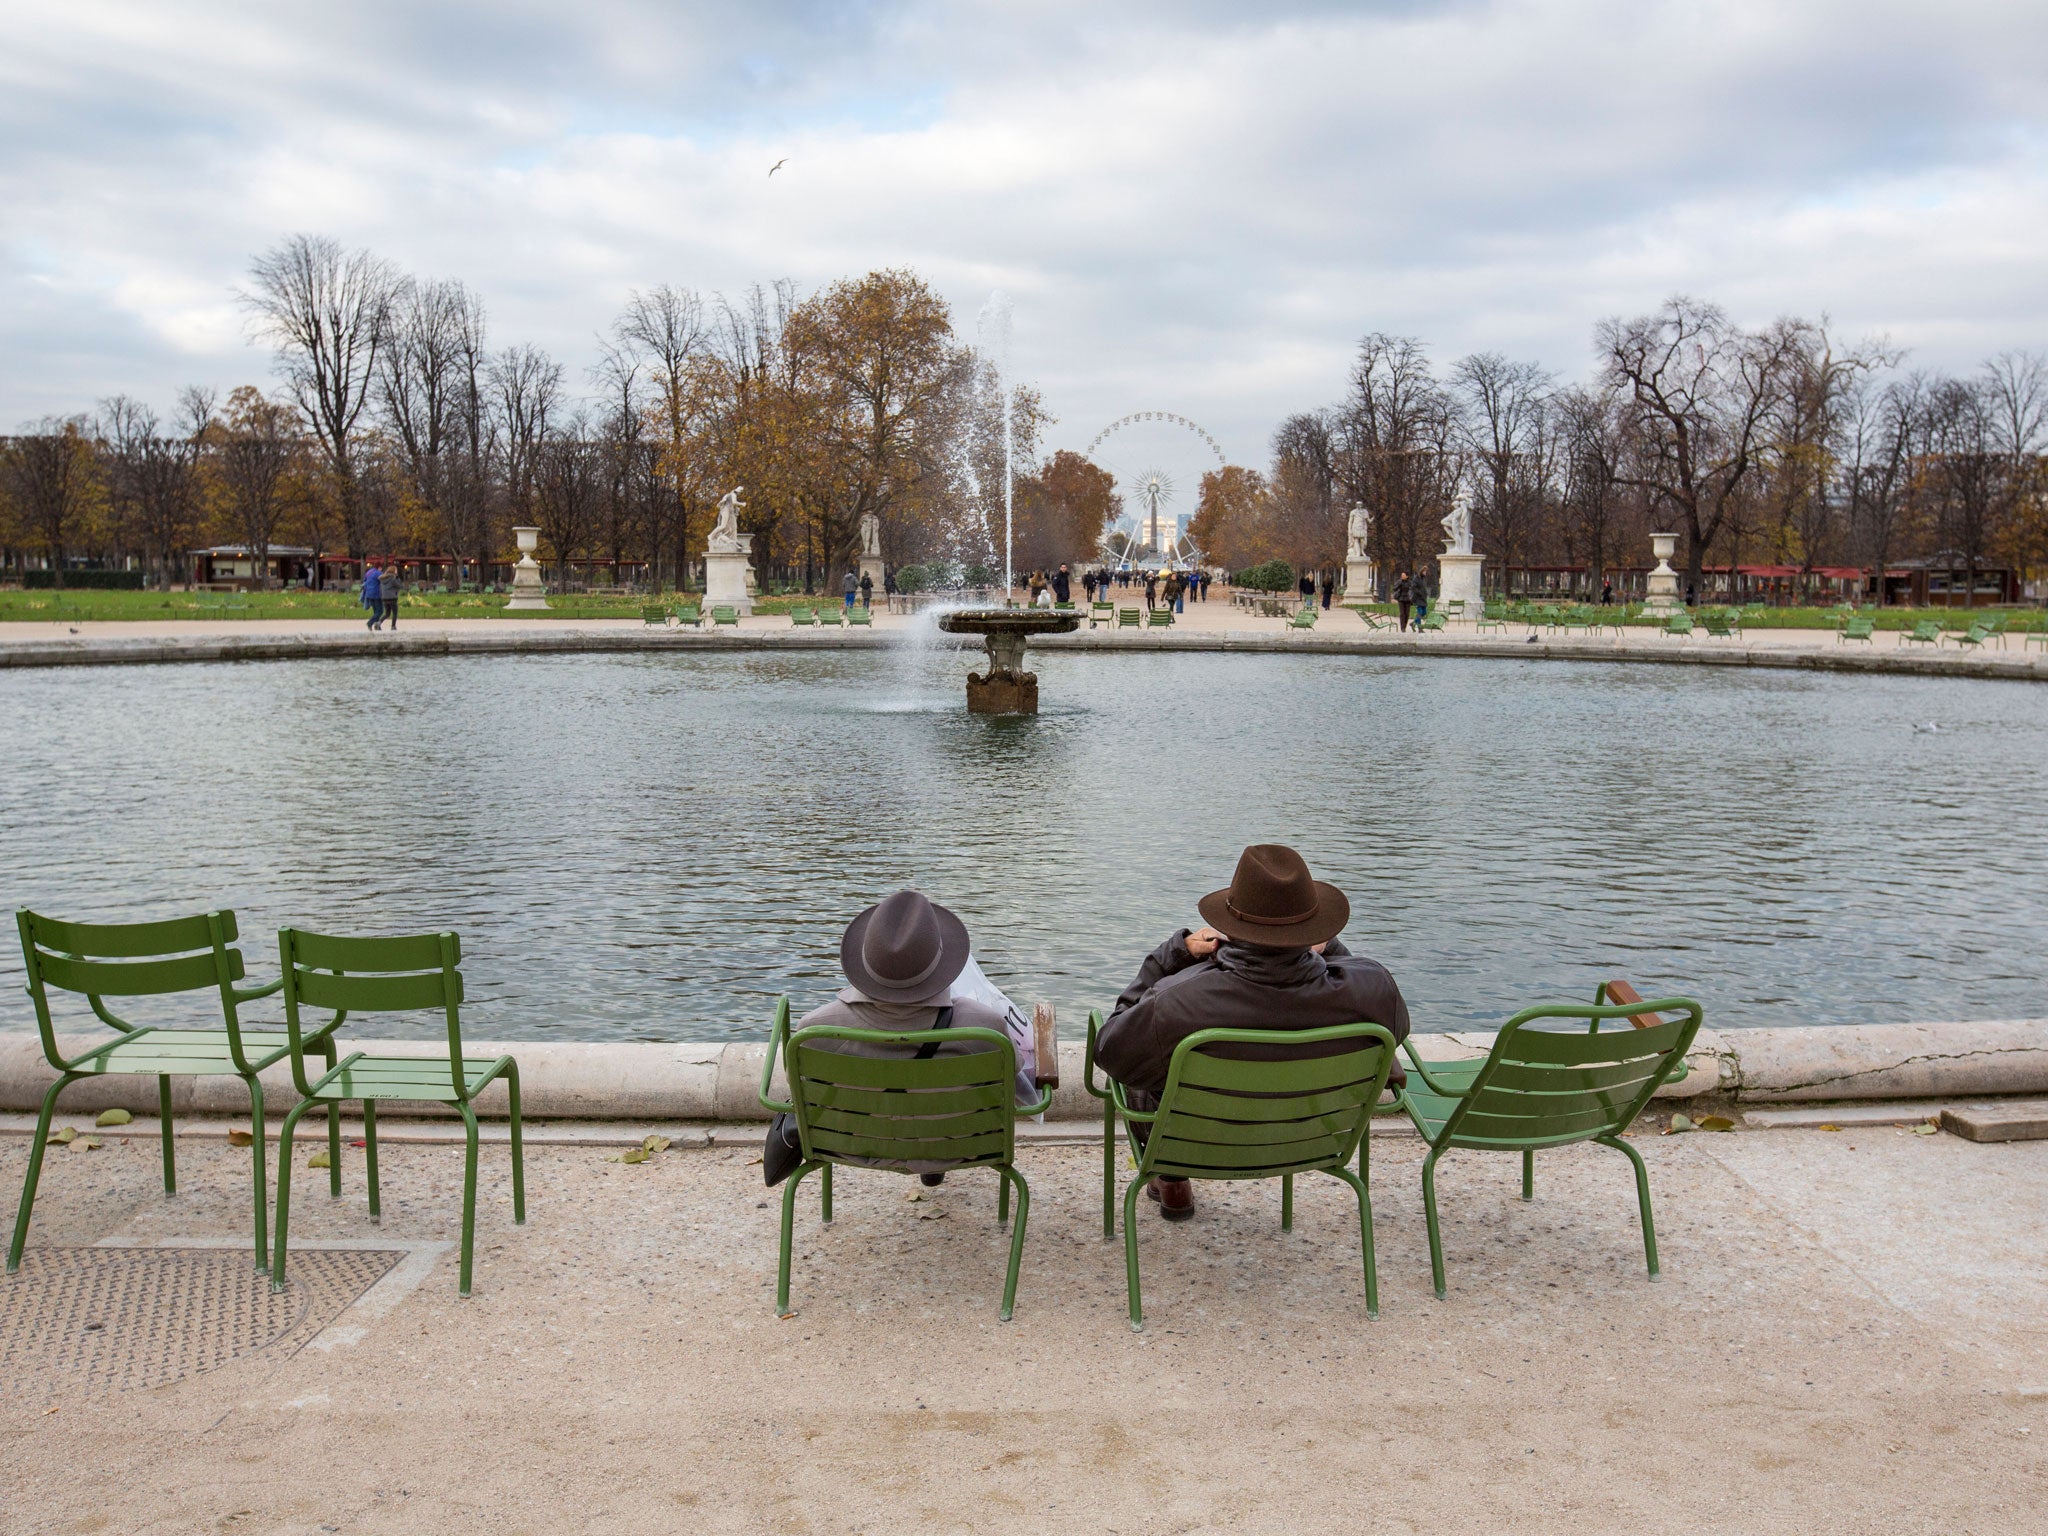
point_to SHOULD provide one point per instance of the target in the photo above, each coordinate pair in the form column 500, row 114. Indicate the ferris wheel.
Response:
column 1149, row 490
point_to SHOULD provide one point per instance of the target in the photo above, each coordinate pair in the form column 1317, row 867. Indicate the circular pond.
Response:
column 651, row 847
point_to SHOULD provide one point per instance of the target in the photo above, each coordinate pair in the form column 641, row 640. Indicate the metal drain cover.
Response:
column 114, row 1319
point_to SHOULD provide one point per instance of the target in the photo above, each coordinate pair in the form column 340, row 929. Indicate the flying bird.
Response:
column 778, row 165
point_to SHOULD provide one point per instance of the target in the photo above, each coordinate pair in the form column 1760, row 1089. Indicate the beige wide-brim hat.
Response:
column 905, row 949
column 1274, row 902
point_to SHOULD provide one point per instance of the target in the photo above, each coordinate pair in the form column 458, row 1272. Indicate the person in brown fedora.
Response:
column 909, row 966
column 1268, row 958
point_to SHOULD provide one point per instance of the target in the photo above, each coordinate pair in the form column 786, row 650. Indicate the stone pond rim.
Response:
column 1006, row 688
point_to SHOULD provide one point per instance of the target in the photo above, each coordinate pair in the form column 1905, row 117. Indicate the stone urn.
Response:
column 527, row 591
column 1006, row 688
column 1663, row 584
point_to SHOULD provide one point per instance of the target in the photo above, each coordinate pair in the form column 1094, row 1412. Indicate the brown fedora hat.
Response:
column 904, row 950
column 1273, row 901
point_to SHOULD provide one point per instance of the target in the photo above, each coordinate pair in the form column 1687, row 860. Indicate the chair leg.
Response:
column 1108, row 1170
column 1372, row 1273
column 1436, row 1243
column 262, row 1175
column 518, row 1148
column 468, row 1193
column 1286, row 1202
column 1016, row 1237
column 825, row 1196
column 35, row 1169
column 1528, row 1173
column 1131, row 1255
column 370, row 1158
column 788, row 1225
column 333, row 1130
column 1002, row 1203
column 284, row 1189
column 163, row 1116
column 1642, row 1200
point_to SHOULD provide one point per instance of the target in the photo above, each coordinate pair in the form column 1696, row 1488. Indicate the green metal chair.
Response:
column 1159, row 618
column 722, row 614
column 652, row 614
column 397, row 974
column 1223, row 1117
column 1859, row 627
column 1545, row 1087
column 1484, row 618
column 1304, row 618
column 1101, row 613
column 1431, row 621
column 956, row 1109
column 1722, row 626
column 858, row 617
column 177, row 957
column 1371, row 620
column 689, row 616
column 1926, row 632
column 1679, row 625
column 802, row 618
column 1129, row 618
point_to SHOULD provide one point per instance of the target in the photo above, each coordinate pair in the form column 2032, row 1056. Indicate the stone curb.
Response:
column 566, row 1080
column 151, row 652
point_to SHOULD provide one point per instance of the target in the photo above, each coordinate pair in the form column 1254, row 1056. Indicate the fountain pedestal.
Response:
column 1361, row 580
column 728, row 577
column 1005, row 688
column 1662, row 593
column 1459, row 581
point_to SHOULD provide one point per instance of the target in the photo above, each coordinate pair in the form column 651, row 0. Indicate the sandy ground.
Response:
column 1217, row 615
column 1849, row 1337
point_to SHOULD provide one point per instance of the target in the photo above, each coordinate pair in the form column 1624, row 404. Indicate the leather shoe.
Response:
column 931, row 1180
column 1176, row 1197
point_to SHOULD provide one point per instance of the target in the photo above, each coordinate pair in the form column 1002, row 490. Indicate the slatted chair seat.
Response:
column 1554, row 1077
column 388, row 974
column 1221, row 1116
column 176, row 957
column 953, row 1109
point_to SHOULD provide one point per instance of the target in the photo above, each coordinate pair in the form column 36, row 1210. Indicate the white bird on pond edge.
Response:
column 778, row 165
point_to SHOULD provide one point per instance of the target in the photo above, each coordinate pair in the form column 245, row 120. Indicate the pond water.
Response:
column 652, row 847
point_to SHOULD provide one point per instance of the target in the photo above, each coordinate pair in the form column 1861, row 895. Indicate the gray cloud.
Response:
column 1197, row 207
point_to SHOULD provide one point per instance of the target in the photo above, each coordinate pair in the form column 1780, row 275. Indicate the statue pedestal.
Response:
column 728, row 580
column 1460, row 581
column 871, row 567
column 1663, row 584
column 527, row 590
column 1361, row 580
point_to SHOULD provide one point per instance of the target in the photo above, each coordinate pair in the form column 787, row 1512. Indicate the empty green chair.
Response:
column 1483, row 620
column 1861, row 627
column 1101, row 613
column 1372, row 620
column 652, row 614
column 1926, row 632
column 1432, row 620
column 401, row 974
column 1543, row 1086
column 955, row 1109
column 859, row 616
column 803, row 618
column 1223, row 1117
column 1304, row 618
column 689, row 615
column 1159, row 618
column 177, row 957
column 725, row 615
column 1129, row 618
column 1679, row 624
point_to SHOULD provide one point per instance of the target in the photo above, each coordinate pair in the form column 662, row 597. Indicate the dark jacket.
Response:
column 1239, row 987
column 1062, row 587
column 1403, row 592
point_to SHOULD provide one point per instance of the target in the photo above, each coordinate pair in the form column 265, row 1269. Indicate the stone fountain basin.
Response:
column 1008, row 621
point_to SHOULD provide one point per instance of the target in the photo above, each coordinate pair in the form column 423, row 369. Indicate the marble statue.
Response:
column 870, row 534
column 1358, row 528
column 725, row 533
column 1458, row 525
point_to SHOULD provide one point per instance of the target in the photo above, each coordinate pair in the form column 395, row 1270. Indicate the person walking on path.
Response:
column 1307, row 588
column 867, row 590
column 387, row 591
column 1420, row 588
column 1088, row 584
column 1151, row 589
column 851, row 585
column 1404, row 595
column 1328, row 582
column 1268, row 958
column 1606, row 593
column 1063, row 586
column 373, row 595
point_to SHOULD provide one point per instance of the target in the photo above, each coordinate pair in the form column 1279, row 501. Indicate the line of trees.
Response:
column 398, row 427
column 1778, row 445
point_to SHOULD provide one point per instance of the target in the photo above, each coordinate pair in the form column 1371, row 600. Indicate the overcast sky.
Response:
column 1198, row 207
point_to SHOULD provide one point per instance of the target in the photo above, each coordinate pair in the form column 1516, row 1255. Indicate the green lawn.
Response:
column 85, row 606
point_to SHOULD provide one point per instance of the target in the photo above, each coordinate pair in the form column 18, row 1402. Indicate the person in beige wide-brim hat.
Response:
column 1268, row 958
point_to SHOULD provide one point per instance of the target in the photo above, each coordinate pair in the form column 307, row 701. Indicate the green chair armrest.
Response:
column 254, row 994
column 778, row 1039
column 1044, row 1103
column 1442, row 1090
column 1088, row 1057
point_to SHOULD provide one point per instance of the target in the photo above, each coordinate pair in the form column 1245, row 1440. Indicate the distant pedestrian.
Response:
column 1404, row 596
column 867, row 590
column 1692, row 595
column 1088, row 584
column 1205, row 586
column 1419, row 589
column 1307, row 587
column 1329, row 586
column 850, row 584
column 387, row 590
column 373, row 596
column 1063, row 586
column 1151, row 590
column 1606, row 594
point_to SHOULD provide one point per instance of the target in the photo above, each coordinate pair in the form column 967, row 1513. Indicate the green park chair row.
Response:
column 683, row 615
column 1239, row 1104
column 198, row 955
column 1101, row 613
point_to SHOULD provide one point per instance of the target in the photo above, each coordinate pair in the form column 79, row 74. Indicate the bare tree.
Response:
column 1594, row 442
column 665, row 329
column 528, row 386
column 256, row 443
column 326, row 310
column 1882, row 427
column 1392, row 446
column 1503, row 421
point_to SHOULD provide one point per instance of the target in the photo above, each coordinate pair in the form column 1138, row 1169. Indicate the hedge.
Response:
column 1270, row 576
column 98, row 581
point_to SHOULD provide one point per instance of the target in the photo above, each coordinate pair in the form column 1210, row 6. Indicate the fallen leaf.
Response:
column 936, row 1213
column 64, row 1137
column 656, row 1144
column 318, row 1160
column 1927, row 1128
column 1716, row 1123
column 87, row 1144
column 1679, row 1125
column 914, row 1196
column 637, row 1155
column 239, row 1138
column 113, row 1117
column 1831, row 1127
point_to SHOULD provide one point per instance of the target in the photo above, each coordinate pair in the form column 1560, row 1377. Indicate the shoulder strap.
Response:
column 943, row 1021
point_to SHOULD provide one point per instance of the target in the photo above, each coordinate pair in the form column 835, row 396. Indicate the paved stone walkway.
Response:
column 1851, row 1335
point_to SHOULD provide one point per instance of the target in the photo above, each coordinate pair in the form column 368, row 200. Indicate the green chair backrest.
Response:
column 1860, row 628
column 953, row 1108
column 651, row 614
column 1927, row 629
column 689, row 615
column 860, row 616
column 1222, row 1116
column 802, row 616
column 1545, row 1087
column 1127, row 618
column 1680, row 624
column 725, row 615
column 101, row 960
column 398, row 973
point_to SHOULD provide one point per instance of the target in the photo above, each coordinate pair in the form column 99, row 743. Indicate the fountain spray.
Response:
column 993, row 328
